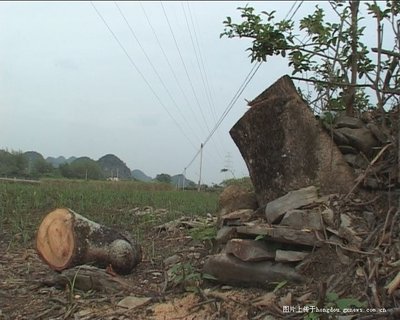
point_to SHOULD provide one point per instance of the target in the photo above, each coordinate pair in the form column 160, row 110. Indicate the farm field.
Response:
column 138, row 208
column 23, row 206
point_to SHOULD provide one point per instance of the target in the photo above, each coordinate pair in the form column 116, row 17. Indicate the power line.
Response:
column 169, row 64
column 138, row 70
column 184, row 66
column 197, row 55
column 200, row 65
column 248, row 78
column 151, row 64
column 297, row 9
column 293, row 5
column 243, row 86
column 235, row 98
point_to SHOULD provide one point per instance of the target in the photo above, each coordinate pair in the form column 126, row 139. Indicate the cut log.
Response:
column 66, row 239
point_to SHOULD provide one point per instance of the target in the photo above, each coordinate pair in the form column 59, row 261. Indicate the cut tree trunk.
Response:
column 66, row 239
column 285, row 148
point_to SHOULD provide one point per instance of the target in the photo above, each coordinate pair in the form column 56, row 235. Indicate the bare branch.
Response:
column 387, row 52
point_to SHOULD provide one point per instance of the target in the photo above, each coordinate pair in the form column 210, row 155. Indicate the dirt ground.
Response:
column 25, row 292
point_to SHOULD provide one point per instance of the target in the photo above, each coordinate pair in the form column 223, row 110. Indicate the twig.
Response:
column 366, row 202
column 332, row 286
column 342, row 246
column 394, row 284
column 394, row 219
column 387, row 52
column 42, row 314
column 165, row 286
column 202, row 303
column 361, row 177
column 372, row 235
column 384, row 227
column 375, row 295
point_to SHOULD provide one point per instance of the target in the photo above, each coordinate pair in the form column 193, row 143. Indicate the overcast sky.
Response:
column 67, row 87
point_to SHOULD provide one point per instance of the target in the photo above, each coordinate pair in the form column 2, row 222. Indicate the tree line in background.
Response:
column 32, row 165
column 20, row 165
column 16, row 164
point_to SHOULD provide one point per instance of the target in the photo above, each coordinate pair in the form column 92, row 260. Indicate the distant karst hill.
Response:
column 33, row 164
column 56, row 162
column 140, row 176
column 180, row 181
column 33, row 156
column 113, row 167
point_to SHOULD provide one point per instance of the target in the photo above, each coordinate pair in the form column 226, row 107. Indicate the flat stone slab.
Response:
column 132, row 302
column 290, row 256
column 249, row 250
column 230, row 270
column 349, row 122
column 291, row 200
column 302, row 219
column 237, row 217
column 361, row 138
column 225, row 233
column 283, row 234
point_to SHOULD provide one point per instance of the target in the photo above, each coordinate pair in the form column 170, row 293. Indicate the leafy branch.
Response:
column 333, row 52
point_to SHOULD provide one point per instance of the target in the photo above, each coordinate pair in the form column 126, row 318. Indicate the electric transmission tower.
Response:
column 228, row 167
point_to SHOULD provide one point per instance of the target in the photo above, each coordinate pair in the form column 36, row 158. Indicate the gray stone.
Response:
column 349, row 122
column 328, row 217
column 342, row 257
column 302, row 219
column 285, row 148
column 290, row 256
column 172, row 260
column 339, row 138
column 361, row 139
column 282, row 234
column 356, row 161
column 236, row 218
column 249, row 250
column 228, row 269
column 369, row 218
column 132, row 302
column 224, row 234
column 378, row 133
column 372, row 183
column 236, row 197
column 292, row 200
column 348, row 232
column 345, row 149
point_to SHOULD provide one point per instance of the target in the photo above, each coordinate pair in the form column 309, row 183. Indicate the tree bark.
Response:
column 66, row 239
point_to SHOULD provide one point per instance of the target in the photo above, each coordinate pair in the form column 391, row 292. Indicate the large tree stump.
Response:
column 66, row 239
column 285, row 148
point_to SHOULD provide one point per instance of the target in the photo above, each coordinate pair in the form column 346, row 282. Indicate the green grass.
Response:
column 23, row 206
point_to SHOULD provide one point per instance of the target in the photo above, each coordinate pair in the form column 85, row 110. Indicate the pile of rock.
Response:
column 360, row 141
column 260, row 246
column 267, row 236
